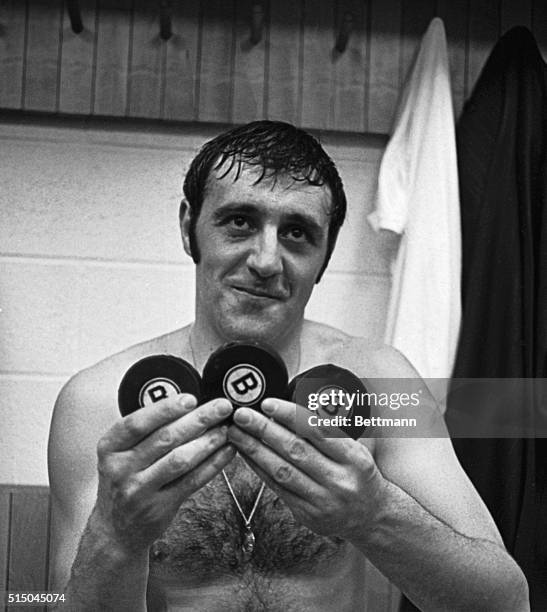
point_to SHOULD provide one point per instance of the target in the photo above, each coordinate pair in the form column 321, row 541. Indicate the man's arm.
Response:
column 435, row 518
column 72, row 463
column 449, row 555
column 410, row 509
column 113, row 498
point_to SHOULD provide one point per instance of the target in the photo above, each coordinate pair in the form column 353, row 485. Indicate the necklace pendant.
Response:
column 248, row 544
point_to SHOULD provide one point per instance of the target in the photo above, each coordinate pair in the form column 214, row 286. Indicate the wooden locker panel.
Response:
column 13, row 17
column 514, row 13
column 43, row 47
column 454, row 15
column 181, row 79
column 283, row 91
column 29, row 540
column 217, row 62
column 351, row 69
column 317, row 77
column 209, row 71
column 111, row 72
column 77, row 58
column 416, row 16
column 250, row 65
column 385, row 56
column 484, row 25
column 5, row 516
column 147, row 61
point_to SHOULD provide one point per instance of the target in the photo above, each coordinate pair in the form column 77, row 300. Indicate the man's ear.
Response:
column 185, row 214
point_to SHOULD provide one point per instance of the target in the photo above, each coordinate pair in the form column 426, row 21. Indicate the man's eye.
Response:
column 296, row 234
column 238, row 221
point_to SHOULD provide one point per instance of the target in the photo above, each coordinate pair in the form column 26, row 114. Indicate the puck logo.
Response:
column 244, row 384
column 337, row 404
column 157, row 389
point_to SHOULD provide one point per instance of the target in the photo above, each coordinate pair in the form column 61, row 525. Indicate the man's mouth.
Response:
column 258, row 292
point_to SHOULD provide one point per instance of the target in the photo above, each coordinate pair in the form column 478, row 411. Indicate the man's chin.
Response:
column 252, row 329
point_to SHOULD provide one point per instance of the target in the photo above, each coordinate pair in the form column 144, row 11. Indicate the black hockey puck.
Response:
column 154, row 378
column 333, row 393
column 245, row 373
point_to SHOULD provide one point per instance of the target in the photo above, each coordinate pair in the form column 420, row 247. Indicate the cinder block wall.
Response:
column 91, row 261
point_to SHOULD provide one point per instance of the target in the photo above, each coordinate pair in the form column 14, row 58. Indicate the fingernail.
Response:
column 243, row 418
column 268, row 407
column 186, row 400
column 224, row 409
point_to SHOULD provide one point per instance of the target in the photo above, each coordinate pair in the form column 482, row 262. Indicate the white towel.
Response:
column 418, row 198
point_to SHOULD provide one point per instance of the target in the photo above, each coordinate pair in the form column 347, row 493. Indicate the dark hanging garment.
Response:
column 502, row 163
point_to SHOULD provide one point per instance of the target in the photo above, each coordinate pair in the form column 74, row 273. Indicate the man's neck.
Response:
column 203, row 341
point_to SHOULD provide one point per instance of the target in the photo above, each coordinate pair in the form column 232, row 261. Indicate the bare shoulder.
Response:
column 385, row 361
column 422, row 463
column 366, row 357
column 96, row 386
column 87, row 407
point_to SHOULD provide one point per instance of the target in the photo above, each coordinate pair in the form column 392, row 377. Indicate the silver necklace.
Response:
column 248, row 544
column 249, row 538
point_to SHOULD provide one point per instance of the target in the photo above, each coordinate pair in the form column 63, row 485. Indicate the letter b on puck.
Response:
column 155, row 378
column 245, row 373
column 244, row 385
column 157, row 389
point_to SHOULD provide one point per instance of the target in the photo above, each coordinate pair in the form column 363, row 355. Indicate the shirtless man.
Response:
column 157, row 518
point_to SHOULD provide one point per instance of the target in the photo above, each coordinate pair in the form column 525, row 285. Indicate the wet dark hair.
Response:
column 279, row 149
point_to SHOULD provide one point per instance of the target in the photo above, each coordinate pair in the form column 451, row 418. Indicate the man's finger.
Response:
column 189, row 483
column 188, row 427
column 133, row 429
column 288, row 445
column 290, row 498
column 295, row 418
column 181, row 460
column 278, row 470
column 130, row 430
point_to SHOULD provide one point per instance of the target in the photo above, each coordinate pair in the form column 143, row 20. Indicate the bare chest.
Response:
column 206, row 539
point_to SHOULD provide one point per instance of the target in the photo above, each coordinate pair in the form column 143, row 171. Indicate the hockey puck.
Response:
column 245, row 373
column 155, row 378
column 334, row 393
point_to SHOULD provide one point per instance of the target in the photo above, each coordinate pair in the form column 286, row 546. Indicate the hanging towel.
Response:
column 418, row 198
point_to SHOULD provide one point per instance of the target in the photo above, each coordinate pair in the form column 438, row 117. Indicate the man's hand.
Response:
column 153, row 460
column 330, row 484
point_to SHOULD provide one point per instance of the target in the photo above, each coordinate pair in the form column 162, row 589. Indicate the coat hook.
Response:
column 73, row 9
column 346, row 28
column 257, row 22
column 165, row 20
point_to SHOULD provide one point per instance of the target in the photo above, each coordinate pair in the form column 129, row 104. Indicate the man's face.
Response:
column 261, row 249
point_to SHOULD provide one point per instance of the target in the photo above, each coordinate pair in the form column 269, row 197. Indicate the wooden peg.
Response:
column 75, row 16
column 165, row 20
column 257, row 22
column 344, row 32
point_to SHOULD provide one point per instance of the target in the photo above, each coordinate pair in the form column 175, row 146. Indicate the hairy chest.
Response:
column 207, row 536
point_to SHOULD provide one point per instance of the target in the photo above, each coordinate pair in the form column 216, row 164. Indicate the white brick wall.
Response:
column 90, row 262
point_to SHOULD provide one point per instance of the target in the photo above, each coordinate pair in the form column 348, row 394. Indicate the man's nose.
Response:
column 265, row 258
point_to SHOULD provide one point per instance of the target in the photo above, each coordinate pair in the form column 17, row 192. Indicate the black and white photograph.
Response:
column 273, row 305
